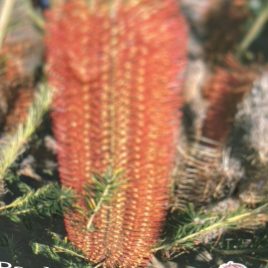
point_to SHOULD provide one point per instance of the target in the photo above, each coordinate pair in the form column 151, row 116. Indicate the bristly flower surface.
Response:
column 223, row 92
column 117, row 66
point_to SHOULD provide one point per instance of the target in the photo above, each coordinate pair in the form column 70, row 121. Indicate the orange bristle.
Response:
column 116, row 68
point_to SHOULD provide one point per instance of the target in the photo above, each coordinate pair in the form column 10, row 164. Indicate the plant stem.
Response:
column 68, row 251
column 98, row 206
column 220, row 224
column 254, row 30
column 37, row 19
column 224, row 222
column 4, row 18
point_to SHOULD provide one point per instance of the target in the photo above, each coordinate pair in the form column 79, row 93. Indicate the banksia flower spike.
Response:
column 116, row 67
column 206, row 170
column 206, row 162
column 14, row 82
column 20, row 56
column 208, row 20
column 223, row 92
column 19, row 108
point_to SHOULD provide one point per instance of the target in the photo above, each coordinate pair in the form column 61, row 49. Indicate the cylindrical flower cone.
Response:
column 116, row 67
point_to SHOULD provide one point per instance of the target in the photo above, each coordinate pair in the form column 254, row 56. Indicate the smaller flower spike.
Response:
column 14, row 81
column 223, row 92
column 117, row 67
column 207, row 172
column 20, row 107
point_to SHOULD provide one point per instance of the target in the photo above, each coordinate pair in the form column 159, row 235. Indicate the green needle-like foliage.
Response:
column 14, row 145
column 61, row 251
column 46, row 201
column 100, row 192
column 201, row 227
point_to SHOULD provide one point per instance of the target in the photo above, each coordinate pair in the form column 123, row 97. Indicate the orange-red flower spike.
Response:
column 224, row 91
column 117, row 66
column 18, row 112
column 13, row 80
